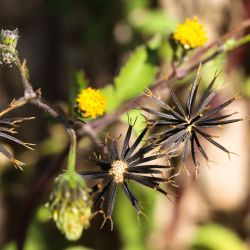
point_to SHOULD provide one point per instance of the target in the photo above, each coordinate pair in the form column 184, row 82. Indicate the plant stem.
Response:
column 178, row 73
column 72, row 151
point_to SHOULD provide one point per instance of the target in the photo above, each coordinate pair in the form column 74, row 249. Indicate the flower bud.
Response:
column 9, row 37
column 70, row 205
column 91, row 103
column 8, row 40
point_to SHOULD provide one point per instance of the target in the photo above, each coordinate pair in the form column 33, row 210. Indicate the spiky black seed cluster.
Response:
column 130, row 164
column 8, row 128
column 185, row 126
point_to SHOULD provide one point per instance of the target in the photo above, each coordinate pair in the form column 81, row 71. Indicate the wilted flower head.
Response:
column 9, row 37
column 118, row 169
column 8, row 127
column 8, row 42
column 184, row 126
column 91, row 103
column 191, row 34
column 70, row 205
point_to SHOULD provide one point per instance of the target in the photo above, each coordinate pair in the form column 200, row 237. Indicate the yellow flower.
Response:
column 191, row 34
column 91, row 103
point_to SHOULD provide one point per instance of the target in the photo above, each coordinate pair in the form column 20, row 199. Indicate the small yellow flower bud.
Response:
column 91, row 103
column 191, row 33
column 8, row 42
column 9, row 37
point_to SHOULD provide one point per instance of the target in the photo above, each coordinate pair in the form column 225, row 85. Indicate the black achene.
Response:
column 130, row 164
column 184, row 126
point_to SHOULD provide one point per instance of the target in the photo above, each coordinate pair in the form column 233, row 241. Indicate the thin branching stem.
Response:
column 177, row 74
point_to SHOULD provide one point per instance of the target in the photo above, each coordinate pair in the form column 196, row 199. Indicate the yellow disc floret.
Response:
column 118, row 168
column 191, row 34
column 91, row 103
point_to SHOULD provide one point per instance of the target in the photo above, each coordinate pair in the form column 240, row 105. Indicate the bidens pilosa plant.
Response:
column 76, row 197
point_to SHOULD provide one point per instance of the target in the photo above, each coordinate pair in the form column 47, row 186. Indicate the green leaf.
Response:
column 138, row 73
column 216, row 237
column 78, row 83
column 135, row 114
column 134, row 232
column 150, row 21
column 81, row 80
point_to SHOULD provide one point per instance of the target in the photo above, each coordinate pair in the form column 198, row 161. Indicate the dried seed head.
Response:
column 118, row 168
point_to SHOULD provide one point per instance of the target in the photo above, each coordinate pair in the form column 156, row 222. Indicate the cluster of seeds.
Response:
column 180, row 128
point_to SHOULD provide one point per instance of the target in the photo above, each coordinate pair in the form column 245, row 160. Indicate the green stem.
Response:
column 72, row 151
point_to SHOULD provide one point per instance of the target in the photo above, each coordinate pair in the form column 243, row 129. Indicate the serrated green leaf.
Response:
column 138, row 73
column 112, row 101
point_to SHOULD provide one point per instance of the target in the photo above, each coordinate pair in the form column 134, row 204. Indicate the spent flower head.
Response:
column 91, row 103
column 9, row 37
column 70, row 205
column 191, row 33
column 185, row 126
column 8, row 128
column 8, row 42
column 119, row 168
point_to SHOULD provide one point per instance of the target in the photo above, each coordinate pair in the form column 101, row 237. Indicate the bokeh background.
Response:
column 59, row 37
